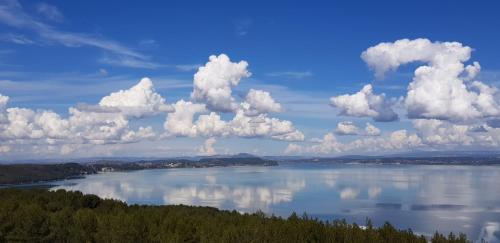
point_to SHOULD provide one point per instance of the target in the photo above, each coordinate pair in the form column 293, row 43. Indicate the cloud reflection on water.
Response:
column 239, row 197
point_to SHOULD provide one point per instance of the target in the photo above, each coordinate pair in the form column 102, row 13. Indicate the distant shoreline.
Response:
column 462, row 160
column 12, row 175
column 19, row 175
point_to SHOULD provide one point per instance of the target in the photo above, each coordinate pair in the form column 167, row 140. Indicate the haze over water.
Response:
column 421, row 197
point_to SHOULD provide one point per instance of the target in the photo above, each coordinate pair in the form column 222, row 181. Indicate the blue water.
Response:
column 424, row 198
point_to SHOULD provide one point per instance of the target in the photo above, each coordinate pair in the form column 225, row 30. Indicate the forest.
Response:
column 37, row 215
column 30, row 173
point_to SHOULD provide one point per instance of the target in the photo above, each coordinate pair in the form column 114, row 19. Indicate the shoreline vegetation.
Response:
column 36, row 215
column 18, row 174
column 25, row 174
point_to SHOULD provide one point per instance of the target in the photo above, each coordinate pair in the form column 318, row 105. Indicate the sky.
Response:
column 174, row 78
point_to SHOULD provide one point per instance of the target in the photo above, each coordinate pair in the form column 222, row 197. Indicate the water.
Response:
column 424, row 198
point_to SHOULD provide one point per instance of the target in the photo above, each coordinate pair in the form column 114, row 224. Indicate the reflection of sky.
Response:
column 424, row 198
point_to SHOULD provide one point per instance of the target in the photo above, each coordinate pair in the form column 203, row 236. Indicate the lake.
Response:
column 424, row 198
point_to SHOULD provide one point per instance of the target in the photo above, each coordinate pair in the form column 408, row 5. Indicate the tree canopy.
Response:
column 36, row 215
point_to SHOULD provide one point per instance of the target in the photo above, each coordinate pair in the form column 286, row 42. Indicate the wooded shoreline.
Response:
column 15, row 174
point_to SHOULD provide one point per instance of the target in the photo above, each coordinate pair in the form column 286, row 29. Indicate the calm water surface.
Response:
column 424, row 198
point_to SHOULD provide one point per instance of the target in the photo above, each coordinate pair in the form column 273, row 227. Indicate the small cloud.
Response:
column 129, row 61
column 208, row 147
column 292, row 74
column 49, row 11
column 393, row 87
column 103, row 72
column 16, row 39
column 346, row 128
column 187, row 67
column 371, row 130
column 133, row 62
column 148, row 43
column 242, row 26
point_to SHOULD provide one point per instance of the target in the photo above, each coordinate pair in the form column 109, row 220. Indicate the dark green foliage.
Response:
column 13, row 174
column 28, row 173
column 440, row 238
column 41, row 216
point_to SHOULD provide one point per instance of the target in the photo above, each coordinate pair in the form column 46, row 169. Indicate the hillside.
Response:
column 60, row 216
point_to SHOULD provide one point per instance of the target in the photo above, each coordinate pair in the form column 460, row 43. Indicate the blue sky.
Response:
column 57, row 54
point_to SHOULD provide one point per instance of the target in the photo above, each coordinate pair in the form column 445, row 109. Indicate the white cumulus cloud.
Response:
column 346, row 128
column 208, row 147
column 329, row 144
column 440, row 88
column 371, row 130
column 258, row 102
column 212, row 93
column 180, row 122
column 139, row 100
column 437, row 132
column 213, row 82
column 349, row 128
column 86, row 124
column 263, row 126
column 365, row 104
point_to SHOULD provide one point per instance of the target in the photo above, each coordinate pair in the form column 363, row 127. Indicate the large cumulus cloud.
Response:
column 441, row 88
column 213, row 82
column 212, row 94
column 139, row 100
